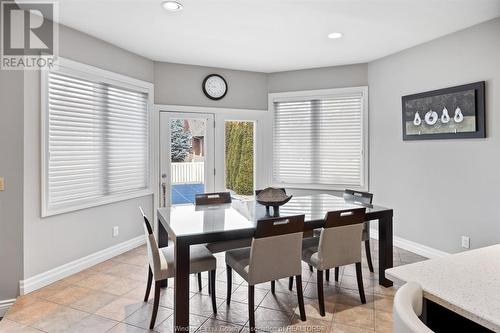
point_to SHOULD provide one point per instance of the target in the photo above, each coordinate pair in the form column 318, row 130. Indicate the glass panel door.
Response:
column 186, row 156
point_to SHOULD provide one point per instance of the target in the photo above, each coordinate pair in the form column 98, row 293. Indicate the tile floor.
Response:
column 108, row 298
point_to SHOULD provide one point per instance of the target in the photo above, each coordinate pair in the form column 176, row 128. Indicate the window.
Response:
column 320, row 138
column 96, row 140
column 239, row 157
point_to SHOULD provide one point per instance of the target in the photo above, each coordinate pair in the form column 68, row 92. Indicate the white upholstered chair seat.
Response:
column 239, row 259
column 363, row 198
column 338, row 249
column 310, row 251
column 162, row 266
column 275, row 253
column 200, row 260
column 407, row 309
column 229, row 245
column 364, row 236
column 337, row 245
column 271, row 254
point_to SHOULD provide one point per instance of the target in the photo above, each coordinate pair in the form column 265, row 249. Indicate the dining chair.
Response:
column 363, row 198
column 337, row 245
column 305, row 234
column 407, row 309
column 275, row 253
column 161, row 266
column 217, row 199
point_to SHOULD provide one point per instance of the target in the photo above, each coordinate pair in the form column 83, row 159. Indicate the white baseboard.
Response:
column 43, row 279
column 5, row 305
column 412, row 246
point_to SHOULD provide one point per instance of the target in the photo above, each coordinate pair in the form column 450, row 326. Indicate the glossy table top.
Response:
column 185, row 220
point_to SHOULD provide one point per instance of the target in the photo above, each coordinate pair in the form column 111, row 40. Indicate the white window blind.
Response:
column 319, row 140
column 97, row 141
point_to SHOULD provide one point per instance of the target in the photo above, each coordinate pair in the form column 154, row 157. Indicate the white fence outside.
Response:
column 188, row 173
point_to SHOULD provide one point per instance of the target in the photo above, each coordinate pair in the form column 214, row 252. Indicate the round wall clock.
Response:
column 214, row 86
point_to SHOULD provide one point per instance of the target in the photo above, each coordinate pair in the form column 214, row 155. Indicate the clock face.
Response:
column 214, row 86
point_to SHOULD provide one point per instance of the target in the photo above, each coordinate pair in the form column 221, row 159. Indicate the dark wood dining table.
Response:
column 188, row 224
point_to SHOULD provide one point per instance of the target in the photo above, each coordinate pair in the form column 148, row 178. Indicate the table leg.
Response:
column 162, row 235
column 385, row 248
column 162, row 242
column 181, row 290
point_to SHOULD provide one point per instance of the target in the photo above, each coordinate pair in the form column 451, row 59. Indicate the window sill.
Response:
column 320, row 187
column 46, row 211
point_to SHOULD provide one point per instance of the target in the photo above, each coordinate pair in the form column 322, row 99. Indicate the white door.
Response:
column 186, row 156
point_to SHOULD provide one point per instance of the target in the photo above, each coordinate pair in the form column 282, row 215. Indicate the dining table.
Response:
column 188, row 224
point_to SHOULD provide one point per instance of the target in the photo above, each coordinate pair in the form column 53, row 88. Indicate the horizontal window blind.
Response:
column 97, row 140
column 127, row 138
column 319, row 141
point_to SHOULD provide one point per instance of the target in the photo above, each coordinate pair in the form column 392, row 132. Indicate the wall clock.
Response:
column 214, row 86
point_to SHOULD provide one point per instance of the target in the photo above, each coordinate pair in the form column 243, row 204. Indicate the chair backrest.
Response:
column 276, row 250
column 155, row 257
column 340, row 239
column 212, row 198
column 364, row 198
column 407, row 308
column 258, row 191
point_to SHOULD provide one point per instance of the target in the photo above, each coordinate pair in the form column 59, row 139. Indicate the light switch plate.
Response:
column 465, row 242
column 2, row 184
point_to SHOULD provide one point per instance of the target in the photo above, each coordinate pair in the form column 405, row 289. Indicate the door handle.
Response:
column 164, row 190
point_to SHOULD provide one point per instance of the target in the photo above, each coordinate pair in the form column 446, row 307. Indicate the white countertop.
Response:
column 467, row 283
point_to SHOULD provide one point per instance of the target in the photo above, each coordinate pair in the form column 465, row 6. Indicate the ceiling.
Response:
column 272, row 35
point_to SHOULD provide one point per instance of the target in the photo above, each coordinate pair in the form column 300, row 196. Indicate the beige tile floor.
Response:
column 108, row 298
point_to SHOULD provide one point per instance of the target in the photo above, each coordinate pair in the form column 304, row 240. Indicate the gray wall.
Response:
column 440, row 190
column 56, row 240
column 178, row 84
column 319, row 78
column 11, row 199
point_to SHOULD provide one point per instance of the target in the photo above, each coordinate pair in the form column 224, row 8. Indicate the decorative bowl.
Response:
column 273, row 197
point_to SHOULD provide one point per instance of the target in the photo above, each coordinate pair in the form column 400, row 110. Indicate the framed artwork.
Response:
column 451, row 113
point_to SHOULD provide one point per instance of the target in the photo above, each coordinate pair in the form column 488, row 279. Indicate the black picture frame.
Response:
column 205, row 91
column 479, row 107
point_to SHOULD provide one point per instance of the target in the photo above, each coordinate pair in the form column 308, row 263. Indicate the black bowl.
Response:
column 273, row 197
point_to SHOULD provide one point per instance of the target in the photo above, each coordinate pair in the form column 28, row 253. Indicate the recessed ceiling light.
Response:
column 172, row 6
column 335, row 35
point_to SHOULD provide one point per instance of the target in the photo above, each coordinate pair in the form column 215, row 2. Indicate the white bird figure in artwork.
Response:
column 459, row 117
column 417, row 121
column 445, row 117
column 431, row 117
